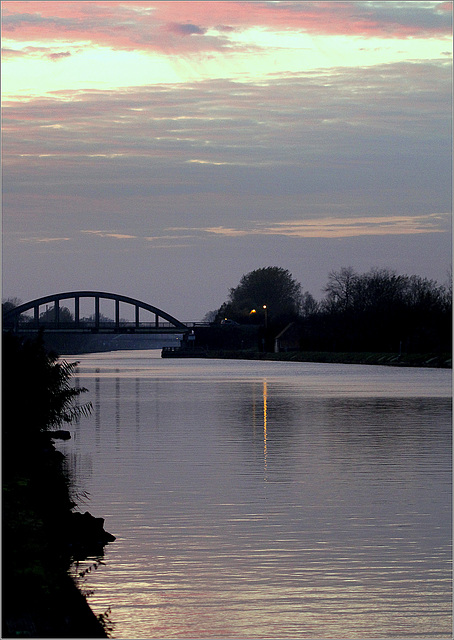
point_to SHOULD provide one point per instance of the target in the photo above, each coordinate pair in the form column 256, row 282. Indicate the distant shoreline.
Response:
column 431, row 360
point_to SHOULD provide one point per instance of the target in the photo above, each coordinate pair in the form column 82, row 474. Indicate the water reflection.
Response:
column 97, row 412
column 386, row 431
column 265, row 391
column 137, row 408
column 348, row 537
column 258, row 415
column 117, row 413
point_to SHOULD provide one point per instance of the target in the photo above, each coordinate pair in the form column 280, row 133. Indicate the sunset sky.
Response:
column 161, row 150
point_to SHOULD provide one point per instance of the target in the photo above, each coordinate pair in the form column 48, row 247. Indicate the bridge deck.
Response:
column 90, row 327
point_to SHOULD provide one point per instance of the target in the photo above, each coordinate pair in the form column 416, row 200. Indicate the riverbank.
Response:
column 40, row 597
column 42, row 536
column 434, row 360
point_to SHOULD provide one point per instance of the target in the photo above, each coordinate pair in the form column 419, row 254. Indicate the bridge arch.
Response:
column 163, row 321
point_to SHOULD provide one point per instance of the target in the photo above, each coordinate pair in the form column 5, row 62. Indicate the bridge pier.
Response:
column 96, row 312
column 76, row 311
column 117, row 315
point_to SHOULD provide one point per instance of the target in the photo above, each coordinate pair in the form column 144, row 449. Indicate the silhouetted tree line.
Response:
column 374, row 311
column 380, row 311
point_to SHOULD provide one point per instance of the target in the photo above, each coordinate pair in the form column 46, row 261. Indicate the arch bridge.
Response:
column 49, row 314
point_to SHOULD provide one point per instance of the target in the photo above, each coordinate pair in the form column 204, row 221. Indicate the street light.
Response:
column 266, row 316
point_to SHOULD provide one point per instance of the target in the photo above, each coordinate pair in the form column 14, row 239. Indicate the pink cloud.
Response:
column 36, row 52
column 170, row 26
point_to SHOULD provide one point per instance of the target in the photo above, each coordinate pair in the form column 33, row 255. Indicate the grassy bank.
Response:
column 390, row 359
column 40, row 597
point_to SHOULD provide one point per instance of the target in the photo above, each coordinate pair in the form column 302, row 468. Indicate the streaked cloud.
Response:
column 356, row 139
column 38, row 240
column 158, row 241
column 109, row 234
column 330, row 227
column 320, row 227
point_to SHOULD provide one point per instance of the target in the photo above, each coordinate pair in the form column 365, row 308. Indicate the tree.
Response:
column 64, row 315
column 309, row 305
column 10, row 303
column 424, row 294
column 210, row 316
column 448, row 285
column 270, row 287
column 340, row 289
column 382, row 311
column 102, row 318
column 50, row 399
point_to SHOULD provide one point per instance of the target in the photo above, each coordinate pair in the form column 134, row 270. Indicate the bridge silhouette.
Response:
column 29, row 318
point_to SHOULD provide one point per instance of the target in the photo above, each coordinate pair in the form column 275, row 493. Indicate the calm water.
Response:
column 267, row 500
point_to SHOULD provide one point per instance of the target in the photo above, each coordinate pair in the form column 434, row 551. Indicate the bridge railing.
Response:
column 29, row 324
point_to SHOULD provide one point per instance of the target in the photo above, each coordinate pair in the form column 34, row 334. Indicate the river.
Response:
column 266, row 499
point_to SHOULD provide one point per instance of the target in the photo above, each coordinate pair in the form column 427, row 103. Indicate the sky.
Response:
column 161, row 150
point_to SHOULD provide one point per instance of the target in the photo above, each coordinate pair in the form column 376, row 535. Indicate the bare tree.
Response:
column 340, row 289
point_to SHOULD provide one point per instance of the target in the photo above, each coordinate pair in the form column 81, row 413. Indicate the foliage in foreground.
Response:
column 40, row 599
column 37, row 389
